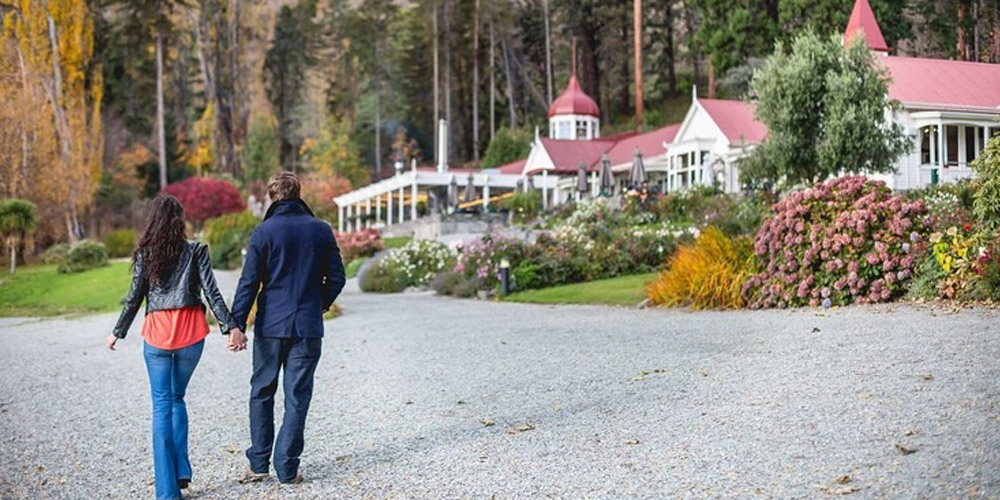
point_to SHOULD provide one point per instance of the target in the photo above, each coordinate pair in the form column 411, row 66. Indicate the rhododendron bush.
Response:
column 849, row 240
column 204, row 198
column 362, row 243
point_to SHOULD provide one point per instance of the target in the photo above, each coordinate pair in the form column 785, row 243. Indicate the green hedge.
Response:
column 120, row 243
column 228, row 236
column 86, row 255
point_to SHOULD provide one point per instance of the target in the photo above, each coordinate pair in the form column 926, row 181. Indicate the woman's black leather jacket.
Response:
column 191, row 275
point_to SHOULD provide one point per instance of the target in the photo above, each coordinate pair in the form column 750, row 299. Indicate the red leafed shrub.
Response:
column 846, row 241
column 363, row 243
column 206, row 198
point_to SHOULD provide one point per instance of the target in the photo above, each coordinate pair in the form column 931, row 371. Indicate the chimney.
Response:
column 442, row 153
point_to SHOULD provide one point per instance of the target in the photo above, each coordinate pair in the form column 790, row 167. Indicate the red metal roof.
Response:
column 567, row 154
column 939, row 83
column 863, row 20
column 650, row 143
column 574, row 101
column 514, row 167
column 736, row 119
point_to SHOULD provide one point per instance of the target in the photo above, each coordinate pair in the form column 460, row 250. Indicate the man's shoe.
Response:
column 295, row 480
column 253, row 477
column 183, row 483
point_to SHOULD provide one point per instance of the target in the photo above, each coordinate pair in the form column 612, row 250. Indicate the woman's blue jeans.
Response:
column 169, row 373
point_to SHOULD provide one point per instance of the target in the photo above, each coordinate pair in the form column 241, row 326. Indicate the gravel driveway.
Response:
column 425, row 397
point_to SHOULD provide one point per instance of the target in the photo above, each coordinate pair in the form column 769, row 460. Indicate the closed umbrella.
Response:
column 637, row 176
column 607, row 178
column 581, row 179
column 453, row 192
column 470, row 190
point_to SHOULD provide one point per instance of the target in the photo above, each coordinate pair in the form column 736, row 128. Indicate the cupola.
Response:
column 574, row 115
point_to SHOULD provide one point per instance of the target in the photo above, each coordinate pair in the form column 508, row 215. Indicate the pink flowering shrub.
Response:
column 362, row 243
column 846, row 241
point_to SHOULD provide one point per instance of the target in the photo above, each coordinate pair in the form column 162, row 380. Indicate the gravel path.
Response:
column 610, row 403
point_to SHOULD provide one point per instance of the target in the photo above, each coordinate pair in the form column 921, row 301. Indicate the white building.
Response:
column 949, row 111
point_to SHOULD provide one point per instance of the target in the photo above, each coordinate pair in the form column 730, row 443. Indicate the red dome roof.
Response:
column 574, row 101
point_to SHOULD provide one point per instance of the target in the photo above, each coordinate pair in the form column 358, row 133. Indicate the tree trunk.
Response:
column 689, row 13
column 161, row 136
column 548, row 53
column 55, row 94
column 511, row 104
column 669, row 49
column 962, row 44
column 11, row 243
column 996, row 31
column 493, row 81
column 711, row 79
column 378, row 113
column 475, row 85
column 637, row 36
column 447, row 75
column 437, row 79
column 25, row 149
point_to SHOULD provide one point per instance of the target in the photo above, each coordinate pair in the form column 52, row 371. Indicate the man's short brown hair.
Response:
column 283, row 186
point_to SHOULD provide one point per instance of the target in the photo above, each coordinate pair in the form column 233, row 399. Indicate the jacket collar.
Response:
column 288, row 207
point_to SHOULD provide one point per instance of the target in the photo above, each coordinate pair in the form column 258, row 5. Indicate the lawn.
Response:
column 621, row 291
column 354, row 266
column 42, row 291
column 396, row 241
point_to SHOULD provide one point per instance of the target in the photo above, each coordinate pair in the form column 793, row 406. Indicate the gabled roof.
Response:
column 566, row 155
column 939, row 83
column 574, row 101
column 650, row 143
column 863, row 22
column 514, row 167
column 736, row 119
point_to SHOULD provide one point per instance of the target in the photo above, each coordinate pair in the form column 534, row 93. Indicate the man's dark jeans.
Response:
column 297, row 357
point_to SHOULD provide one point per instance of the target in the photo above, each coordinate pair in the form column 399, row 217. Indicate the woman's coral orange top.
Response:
column 173, row 329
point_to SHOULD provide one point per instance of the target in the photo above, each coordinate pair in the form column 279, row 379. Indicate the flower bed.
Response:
column 357, row 244
column 849, row 240
column 592, row 242
column 412, row 265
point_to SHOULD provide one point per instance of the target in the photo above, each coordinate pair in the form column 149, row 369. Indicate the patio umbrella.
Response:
column 637, row 175
column 453, row 192
column 581, row 179
column 607, row 178
column 470, row 190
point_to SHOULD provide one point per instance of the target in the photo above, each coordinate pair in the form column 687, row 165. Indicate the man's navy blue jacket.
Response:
column 295, row 265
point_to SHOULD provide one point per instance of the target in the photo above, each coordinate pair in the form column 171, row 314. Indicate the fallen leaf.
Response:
column 927, row 376
column 815, row 329
column 341, row 459
column 461, row 402
column 904, row 449
column 632, row 441
column 843, row 479
column 865, row 395
column 909, row 432
column 521, row 428
column 844, row 490
column 704, row 372
column 487, row 422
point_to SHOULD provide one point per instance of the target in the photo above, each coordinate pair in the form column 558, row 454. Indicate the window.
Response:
column 972, row 137
column 563, row 130
column 704, row 158
column 928, row 145
column 951, row 144
column 994, row 131
column 581, row 129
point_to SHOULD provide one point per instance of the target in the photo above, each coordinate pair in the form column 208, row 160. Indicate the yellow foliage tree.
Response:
column 56, row 105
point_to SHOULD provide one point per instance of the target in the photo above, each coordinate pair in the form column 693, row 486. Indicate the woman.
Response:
column 169, row 272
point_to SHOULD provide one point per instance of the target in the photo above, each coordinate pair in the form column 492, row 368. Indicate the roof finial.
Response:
column 574, row 56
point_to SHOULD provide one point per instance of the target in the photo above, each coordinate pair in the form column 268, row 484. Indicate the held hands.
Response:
column 111, row 340
column 237, row 340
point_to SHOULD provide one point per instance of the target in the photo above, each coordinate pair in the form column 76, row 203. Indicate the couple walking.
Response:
column 292, row 270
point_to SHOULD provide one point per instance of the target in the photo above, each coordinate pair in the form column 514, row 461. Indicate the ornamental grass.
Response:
column 707, row 274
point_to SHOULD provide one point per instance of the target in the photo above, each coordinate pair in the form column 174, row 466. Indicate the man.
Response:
column 294, row 271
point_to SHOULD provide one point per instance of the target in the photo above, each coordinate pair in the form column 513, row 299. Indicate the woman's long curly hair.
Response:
column 163, row 240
